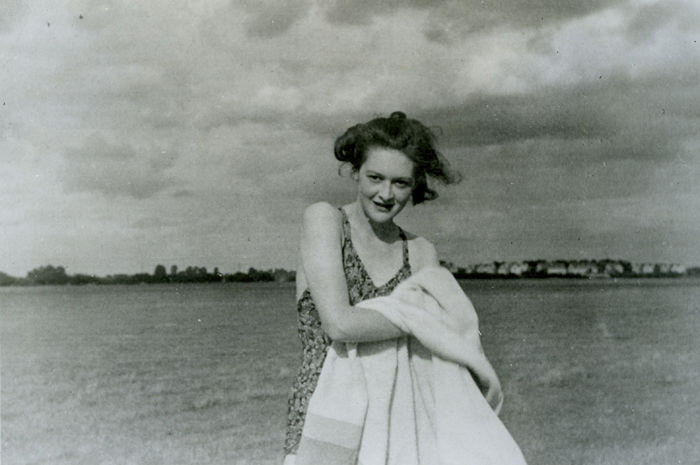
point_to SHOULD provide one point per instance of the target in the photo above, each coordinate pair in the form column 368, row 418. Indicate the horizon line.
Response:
column 446, row 263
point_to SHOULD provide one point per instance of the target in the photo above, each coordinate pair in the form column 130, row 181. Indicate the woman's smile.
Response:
column 385, row 183
column 385, row 206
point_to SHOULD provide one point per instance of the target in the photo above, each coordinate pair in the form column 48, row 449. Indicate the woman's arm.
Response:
column 322, row 262
column 422, row 254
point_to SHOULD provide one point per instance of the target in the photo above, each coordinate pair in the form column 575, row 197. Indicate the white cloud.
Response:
column 116, row 169
column 210, row 112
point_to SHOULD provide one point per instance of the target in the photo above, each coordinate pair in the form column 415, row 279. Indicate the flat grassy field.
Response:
column 594, row 372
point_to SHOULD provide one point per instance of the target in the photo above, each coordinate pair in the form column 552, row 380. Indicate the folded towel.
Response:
column 387, row 403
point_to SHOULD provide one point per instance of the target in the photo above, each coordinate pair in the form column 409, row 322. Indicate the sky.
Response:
column 191, row 133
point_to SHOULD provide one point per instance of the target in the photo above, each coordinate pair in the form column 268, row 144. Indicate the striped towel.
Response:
column 387, row 403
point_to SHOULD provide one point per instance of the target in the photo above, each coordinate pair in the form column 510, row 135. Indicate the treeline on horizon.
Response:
column 56, row 275
column 578, row 269
column 534, row 269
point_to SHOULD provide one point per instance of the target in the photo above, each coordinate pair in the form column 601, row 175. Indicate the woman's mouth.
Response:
column 384, row 206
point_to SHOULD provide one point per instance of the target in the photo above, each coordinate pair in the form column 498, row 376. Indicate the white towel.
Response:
column 387, row 403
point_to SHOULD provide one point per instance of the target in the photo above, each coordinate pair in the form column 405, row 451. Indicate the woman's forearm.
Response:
column 356, row 324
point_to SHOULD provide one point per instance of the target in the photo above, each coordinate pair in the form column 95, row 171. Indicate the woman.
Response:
column 357, row 252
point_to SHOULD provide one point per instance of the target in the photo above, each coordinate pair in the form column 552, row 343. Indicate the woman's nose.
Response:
column 386, row 192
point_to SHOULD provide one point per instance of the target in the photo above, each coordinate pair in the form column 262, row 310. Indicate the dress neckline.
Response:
column 347, row 238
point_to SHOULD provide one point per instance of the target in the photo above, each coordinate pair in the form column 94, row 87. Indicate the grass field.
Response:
column 594, row 373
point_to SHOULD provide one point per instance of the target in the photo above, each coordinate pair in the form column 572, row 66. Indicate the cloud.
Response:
column 223, row 113
column 10, row 11
column 116, row 170
column 487, row 120
column 647, row 19
column 609, row 120
column 361, row 12
column 272, row 18
column 451, row 19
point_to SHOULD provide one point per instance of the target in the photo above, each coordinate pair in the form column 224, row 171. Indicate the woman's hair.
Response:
column 410, row 137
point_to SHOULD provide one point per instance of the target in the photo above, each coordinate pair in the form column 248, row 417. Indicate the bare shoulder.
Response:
column 322, row 224
column 422, row 252
column 321, row 214
column 321, row 209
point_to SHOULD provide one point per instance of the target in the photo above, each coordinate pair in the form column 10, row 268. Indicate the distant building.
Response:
column 613, row 268
column 519, row 269
column 486, row 268
column 557, row 268
column 678, row 269
column 469, row 269
column 541, row 267
column 581, row 269
column 578, row 268
column 648, row 268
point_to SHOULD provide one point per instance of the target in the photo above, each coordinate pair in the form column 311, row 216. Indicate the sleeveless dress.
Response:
column 315, row 342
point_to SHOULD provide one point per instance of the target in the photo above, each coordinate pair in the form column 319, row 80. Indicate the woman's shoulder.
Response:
column 422, row 252
column 322, row 218
column 321, row 211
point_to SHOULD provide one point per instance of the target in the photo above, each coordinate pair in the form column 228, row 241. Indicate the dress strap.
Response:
column 346, row 226
column 405, row 247
column 346, row 236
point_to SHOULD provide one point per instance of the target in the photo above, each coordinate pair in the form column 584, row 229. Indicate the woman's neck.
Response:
column 385, row 232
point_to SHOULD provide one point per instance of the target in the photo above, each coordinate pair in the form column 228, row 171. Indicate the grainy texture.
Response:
column 593, row 372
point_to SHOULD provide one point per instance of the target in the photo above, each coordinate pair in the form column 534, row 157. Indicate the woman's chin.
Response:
column 380, row 214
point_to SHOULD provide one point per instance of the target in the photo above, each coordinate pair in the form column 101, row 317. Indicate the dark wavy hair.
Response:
column 410, row 137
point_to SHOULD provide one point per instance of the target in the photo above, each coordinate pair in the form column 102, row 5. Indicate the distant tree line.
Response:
column 533, row 269
column 577, row 269
column 56, row 275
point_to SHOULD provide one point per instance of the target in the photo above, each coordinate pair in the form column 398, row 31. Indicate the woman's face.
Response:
column 385, row 183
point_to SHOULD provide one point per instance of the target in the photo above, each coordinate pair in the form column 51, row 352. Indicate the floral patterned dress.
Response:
column 315, row 341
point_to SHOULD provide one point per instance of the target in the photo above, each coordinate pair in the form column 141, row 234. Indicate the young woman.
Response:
column 357, row 252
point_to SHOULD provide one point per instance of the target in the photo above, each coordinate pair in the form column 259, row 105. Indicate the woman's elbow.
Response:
column 334, row 329
column 339, row 334
column 343, row 330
